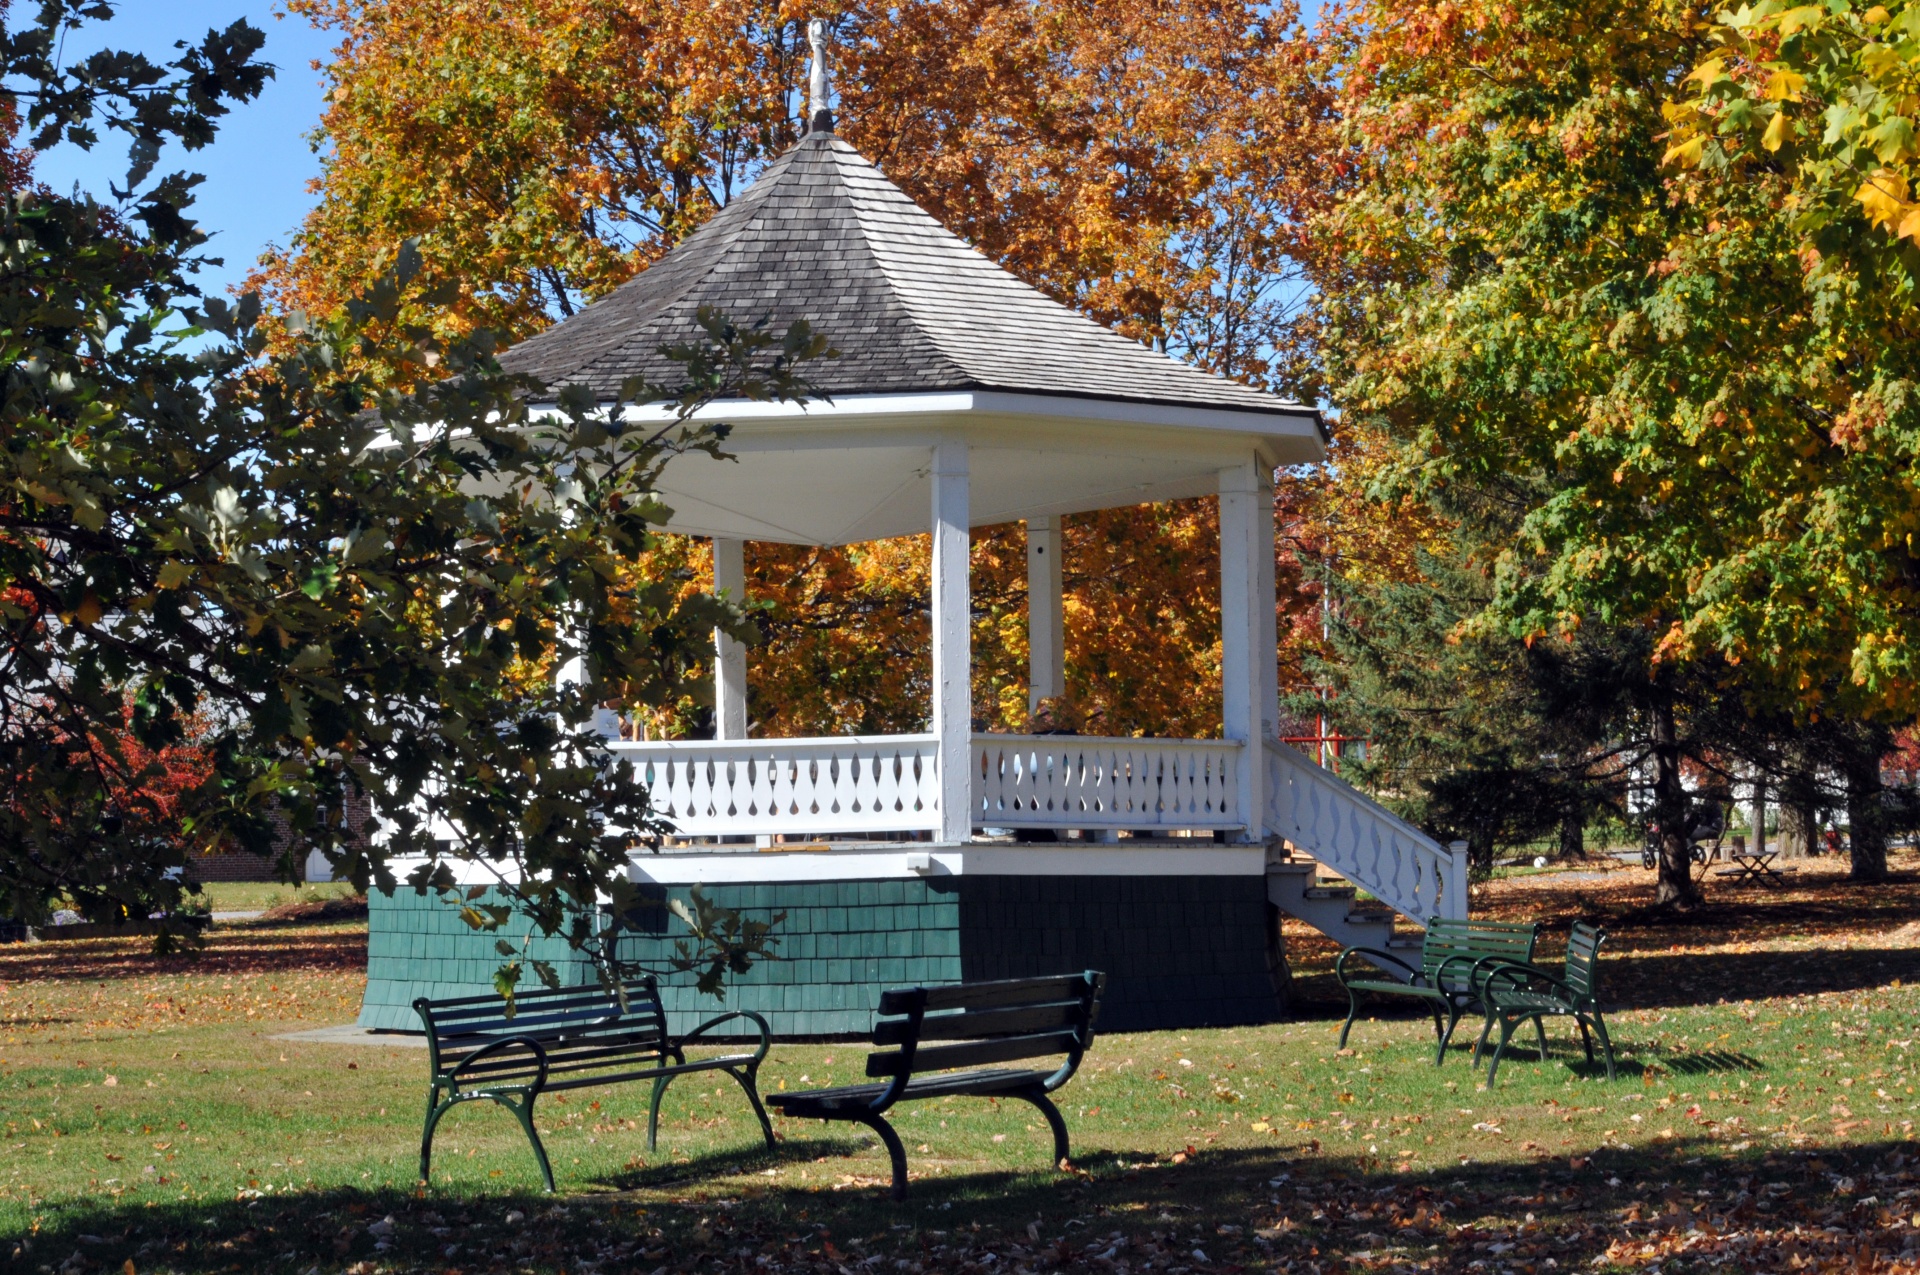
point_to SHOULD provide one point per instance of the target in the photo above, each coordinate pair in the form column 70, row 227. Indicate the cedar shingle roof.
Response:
column 824, row 236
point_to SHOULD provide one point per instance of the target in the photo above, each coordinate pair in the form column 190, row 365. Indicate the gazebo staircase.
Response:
column 1328, row 841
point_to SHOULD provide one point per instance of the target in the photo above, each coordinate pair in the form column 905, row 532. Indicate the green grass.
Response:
column 155, row 1106
column 258, row 896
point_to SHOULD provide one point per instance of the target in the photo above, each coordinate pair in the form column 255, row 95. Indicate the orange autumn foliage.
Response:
column 1151, row 164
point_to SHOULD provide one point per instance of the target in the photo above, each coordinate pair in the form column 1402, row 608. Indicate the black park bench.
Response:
column 570, row 1038
column 986, row 1023
column 1455, row 959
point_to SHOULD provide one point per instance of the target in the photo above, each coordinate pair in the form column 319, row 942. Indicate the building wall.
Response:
column 1177, row 951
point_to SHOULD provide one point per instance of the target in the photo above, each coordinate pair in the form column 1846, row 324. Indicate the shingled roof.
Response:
column 824, row 236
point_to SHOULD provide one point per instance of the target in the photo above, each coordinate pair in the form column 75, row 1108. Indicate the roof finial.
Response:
column 820, row 83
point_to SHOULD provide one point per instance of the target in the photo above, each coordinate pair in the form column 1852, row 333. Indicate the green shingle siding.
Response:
column 1178, row 951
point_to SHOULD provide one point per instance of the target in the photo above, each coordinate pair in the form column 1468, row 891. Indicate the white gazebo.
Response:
column 961, row 398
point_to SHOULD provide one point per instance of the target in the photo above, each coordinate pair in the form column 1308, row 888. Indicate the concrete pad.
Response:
column 353, row 1034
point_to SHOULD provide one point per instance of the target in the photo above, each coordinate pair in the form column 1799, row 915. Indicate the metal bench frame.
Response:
column 1516, row 993
column 1455, row 958
column 991, row 1023
column 570, row 1038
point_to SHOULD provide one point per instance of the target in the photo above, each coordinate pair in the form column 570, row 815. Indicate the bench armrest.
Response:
column 1372, row 954
column 1479, row 969
column 498, row 1046
column 1520, row 973
column 677, row 1044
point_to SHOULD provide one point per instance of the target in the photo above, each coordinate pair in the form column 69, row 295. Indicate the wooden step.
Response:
column 1330, row 892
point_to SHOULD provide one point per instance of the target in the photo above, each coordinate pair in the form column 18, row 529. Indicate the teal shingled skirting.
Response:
column 1178, row 951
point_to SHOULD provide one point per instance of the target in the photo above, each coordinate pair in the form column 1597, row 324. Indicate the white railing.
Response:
column 1073, row 781
column 720, row 788
column 1349, row 832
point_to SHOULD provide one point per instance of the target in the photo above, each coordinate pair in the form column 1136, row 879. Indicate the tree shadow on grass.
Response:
column 1666, row 981
column 1708, row 978
column 1276, row 1207
column 336, row 949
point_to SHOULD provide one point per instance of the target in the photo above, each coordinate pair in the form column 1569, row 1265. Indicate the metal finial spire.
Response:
column 820, row 83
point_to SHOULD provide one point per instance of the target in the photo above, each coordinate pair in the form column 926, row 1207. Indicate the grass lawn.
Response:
column 258, row 896
column 155, row 1115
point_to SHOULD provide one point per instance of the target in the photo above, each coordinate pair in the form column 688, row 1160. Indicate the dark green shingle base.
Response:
column 1178, row 951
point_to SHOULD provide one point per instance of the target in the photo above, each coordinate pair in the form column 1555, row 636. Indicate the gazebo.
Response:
column 962, row 397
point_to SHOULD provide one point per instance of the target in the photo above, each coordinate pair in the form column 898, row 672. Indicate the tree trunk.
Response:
column 1867, row 812
column 1573, row 836
column 1675, row 887
column 1796, row 831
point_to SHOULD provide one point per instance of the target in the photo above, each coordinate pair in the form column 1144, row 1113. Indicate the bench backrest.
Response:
column 1583, row 959
column 994, row 1022
column 580, row 1028
column 1475, row 940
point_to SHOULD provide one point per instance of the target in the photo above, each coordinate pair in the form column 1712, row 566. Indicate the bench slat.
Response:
column 998, row 1080
column 1021, row 1020
column 565, row 1057
column 525, row 1002
column 973, row 1053
column 1012, row 991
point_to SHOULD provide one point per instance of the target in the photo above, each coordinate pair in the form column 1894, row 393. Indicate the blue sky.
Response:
column 258, row 167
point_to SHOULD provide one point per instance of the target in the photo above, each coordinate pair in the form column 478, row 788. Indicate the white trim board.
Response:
column 772, row 867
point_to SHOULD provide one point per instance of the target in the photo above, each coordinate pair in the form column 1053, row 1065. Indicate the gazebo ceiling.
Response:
column 1061, row 414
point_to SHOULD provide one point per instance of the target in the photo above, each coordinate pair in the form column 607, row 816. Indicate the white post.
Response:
column 1453, row 905
column 1266, row 599
column 729, row 655
column 1046, row 627
column 952, row 642
column 1241, row 633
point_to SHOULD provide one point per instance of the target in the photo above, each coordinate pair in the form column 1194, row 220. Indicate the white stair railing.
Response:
column 1364, row 842
column 1077, row 781
column 881, row 783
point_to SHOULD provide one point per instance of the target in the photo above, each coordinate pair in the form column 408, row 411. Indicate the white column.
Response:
column 729, row 655
column 1266, row 650
column 1241, row 633
column 1046, row 619
column 952, row 642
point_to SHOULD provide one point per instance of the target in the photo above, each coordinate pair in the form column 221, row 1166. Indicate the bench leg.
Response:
column 1606, row 1045
column 1480, row 1047
column 1506, row 1033
column 523, row 1112
column 895, row 1152
column 1353, row 1012
column 434, row 1111
column 653, row 1111
column 749, row 1081
column 1038, row 1097
column 1540, row 1032
column 1453, row 1013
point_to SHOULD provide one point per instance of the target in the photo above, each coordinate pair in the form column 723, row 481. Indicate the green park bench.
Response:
column 570, row 1038
column 1518, row 993
column 987, row 1023
column 1454, row 959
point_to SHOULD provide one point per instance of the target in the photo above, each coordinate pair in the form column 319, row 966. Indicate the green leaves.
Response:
column 351, row 589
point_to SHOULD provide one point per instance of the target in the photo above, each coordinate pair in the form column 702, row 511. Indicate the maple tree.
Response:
column 1638, row 371
column 1150, row 165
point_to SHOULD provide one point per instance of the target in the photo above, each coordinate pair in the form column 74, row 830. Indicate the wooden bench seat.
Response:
column 570, row 1038
column 997, row 1022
